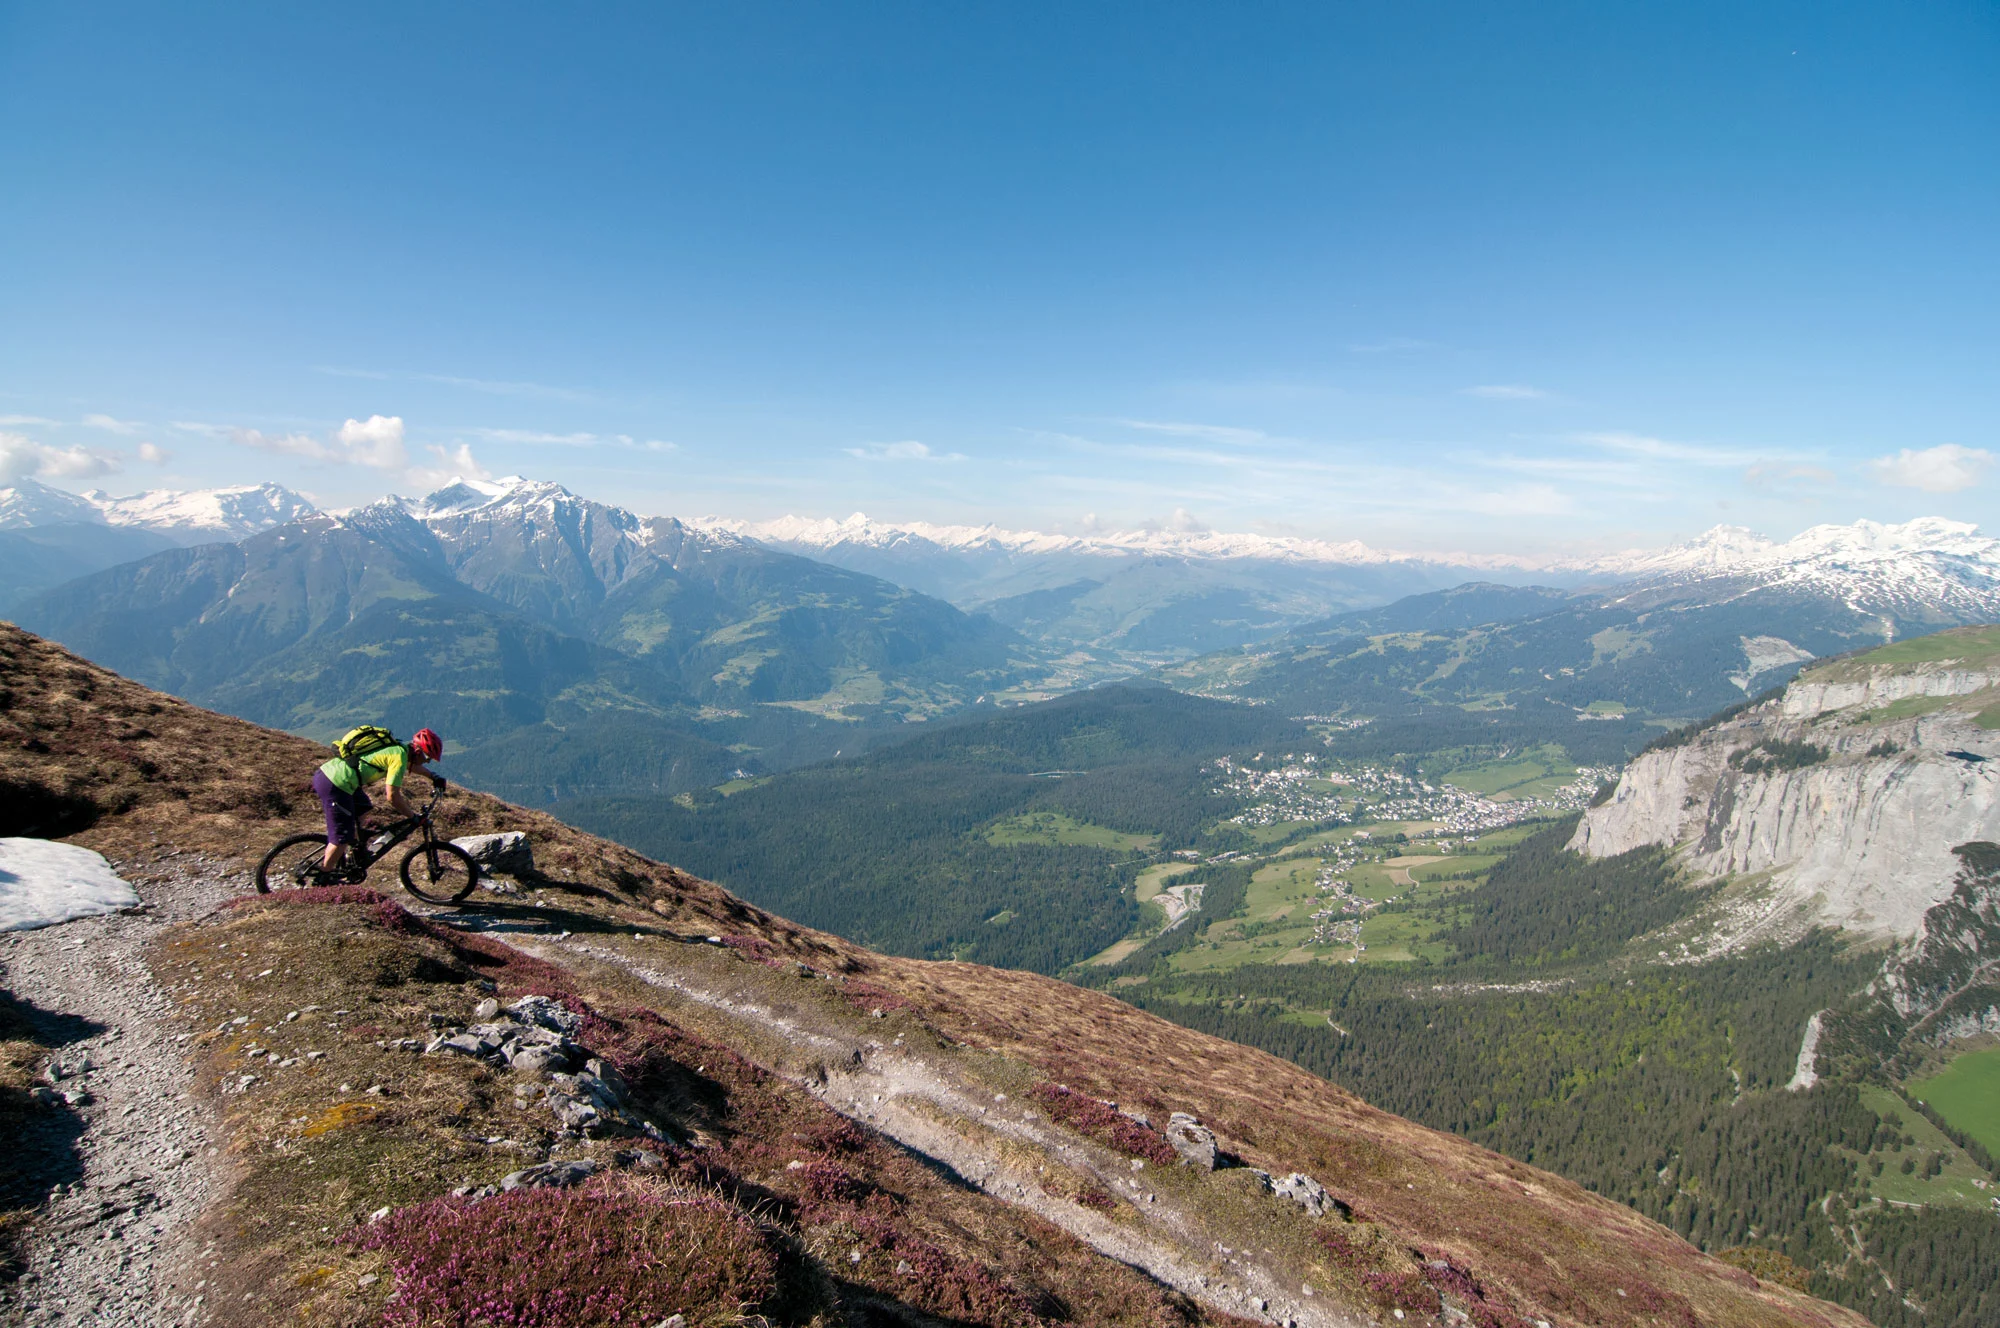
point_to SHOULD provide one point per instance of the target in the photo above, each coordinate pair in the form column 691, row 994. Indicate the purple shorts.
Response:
column 343, row 810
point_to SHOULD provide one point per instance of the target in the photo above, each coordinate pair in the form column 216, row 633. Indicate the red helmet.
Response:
column 427, row 745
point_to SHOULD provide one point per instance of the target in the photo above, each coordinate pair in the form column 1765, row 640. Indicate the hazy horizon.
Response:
column 1536, row 284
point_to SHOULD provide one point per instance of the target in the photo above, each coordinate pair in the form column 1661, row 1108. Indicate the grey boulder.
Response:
column 551, row 1175
column 1306, row 1192
column 508, row 853
column 1194, row 1141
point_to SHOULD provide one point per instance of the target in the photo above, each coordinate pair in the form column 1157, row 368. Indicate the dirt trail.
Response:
column 934, row 1109
column 123, row 1174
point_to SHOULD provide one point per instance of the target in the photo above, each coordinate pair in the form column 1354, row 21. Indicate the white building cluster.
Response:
column 1294, row 790
column 1282, row 794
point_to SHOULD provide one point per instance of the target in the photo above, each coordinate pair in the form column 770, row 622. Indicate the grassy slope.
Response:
column 1967, row 1094
column 142, row 775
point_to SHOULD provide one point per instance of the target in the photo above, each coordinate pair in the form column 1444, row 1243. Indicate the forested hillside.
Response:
column 1545, row 1030
column 888, row 849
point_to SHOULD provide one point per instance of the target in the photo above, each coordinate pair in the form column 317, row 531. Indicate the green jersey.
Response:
column 385, row 766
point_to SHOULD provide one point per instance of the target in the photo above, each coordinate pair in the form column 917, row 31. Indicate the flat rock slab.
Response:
column 43, row 882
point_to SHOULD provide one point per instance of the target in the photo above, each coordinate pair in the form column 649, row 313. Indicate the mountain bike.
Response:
column 435, row 870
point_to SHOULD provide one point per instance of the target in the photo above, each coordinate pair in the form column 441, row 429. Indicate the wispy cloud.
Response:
column 1947, row 468
column 497, row 387
column 454, row 464
column 21, row 457
column 503, row 388
column 1661, row 449
column 18, row 420
column 537, row 437
column 1214, row 433
column 1585, row 470
column 1506, row 392
column 111, row 425
column 903, row 451
column 376, row 442
column 1180, row 521
column 154, row 454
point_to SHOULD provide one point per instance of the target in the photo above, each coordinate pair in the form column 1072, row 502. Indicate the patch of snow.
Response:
column 1761, row 654
column 43, row 882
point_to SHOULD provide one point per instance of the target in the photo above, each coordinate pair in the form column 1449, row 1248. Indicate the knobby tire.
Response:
column 439, row 873
column 286, row 868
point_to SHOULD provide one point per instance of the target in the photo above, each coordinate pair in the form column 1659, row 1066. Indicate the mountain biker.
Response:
column 340, row 785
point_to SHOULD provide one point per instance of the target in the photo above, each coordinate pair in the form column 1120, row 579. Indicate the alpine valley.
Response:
column 1674, row 873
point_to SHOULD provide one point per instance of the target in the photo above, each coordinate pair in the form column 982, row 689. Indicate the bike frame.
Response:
column 361, row 858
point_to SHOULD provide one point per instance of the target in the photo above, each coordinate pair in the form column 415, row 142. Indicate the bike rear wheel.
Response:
column 293, row 865
column 439, row 872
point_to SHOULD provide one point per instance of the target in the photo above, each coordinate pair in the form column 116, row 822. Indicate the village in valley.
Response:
column 1342, row 854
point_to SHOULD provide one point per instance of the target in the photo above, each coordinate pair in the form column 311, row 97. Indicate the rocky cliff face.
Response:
column 1846, row 793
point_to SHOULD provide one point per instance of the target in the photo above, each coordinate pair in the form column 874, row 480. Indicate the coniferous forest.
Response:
column 1660, row 1086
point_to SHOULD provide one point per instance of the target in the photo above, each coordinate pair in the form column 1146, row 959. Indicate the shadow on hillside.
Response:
column 43, row 1152
column 504, row 916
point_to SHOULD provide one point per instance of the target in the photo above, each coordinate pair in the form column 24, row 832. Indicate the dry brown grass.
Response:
column 314, row 1159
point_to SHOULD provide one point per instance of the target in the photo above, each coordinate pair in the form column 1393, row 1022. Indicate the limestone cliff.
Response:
column 1840, row 799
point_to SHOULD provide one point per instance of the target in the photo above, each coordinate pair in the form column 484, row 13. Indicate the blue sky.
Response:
column 1525, row 278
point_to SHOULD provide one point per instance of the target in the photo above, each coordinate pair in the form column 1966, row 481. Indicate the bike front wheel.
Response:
column 439, row 872
column 295, row 864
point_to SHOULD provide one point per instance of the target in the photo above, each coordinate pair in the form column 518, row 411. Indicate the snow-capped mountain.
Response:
column 1926, row 568
column 196, row 516
column 28, row 504
column 859, row 531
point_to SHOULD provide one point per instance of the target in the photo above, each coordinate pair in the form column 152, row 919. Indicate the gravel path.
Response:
column 124, row 1172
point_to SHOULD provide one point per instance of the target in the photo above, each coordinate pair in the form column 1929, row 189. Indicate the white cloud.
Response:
column 111, row 425
column 376, row 442
column 1505, row 392
column 455, row 464
column 1946, row 468
column 22, row 457
column 501, row 388
column 284, row 444
column 903, row 451
column 1660, row 449
column 1519, row 500
column 490, row 386
column 533, row 436
column 25, row 419
column 1180, row 522
column 1215, row 433
column 154, row 453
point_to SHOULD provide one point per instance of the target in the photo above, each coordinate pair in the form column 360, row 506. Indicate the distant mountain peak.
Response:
column 232, row 512
column 858, row 530
column 1737, row 548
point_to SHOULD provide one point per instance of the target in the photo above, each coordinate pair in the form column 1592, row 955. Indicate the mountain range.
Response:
column 567, row 647
column 49, row 536
column 746, row 648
